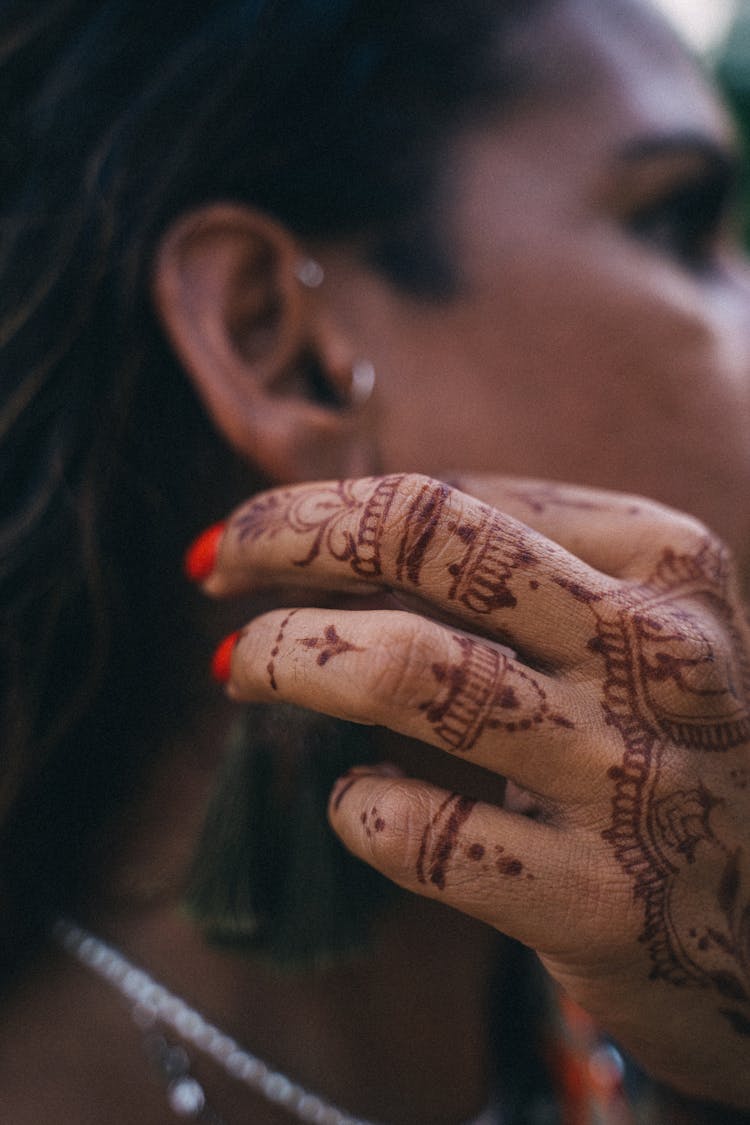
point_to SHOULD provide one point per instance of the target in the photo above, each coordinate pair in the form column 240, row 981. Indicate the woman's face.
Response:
column 601, row 332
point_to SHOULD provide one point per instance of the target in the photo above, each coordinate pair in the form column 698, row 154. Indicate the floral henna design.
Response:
column 480, row 691
column 675, row 682
column 329, row 645
column 345, row 519
column 348, row 521
column 691, row 684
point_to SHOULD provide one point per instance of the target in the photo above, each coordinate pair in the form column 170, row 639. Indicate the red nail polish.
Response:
column 221, row 664
column 200, row 558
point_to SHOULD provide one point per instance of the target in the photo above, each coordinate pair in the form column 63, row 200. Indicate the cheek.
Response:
column 636, row 393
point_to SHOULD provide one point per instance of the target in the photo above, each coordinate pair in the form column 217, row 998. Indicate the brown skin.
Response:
column 576, row 351
column 573, row 351
column 623, row 706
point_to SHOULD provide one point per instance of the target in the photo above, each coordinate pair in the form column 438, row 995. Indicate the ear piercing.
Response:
column 363, row 382
column 309, row 273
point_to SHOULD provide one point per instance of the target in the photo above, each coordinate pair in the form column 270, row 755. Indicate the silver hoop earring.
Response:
column 309, row 273
column 363, row 382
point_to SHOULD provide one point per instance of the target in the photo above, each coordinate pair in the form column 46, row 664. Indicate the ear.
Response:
column 269, row 366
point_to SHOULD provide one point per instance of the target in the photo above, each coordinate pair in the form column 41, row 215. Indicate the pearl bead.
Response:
column 277, row 1088
column 186, row 1097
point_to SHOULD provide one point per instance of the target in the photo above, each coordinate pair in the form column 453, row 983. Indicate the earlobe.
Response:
column 228, row 295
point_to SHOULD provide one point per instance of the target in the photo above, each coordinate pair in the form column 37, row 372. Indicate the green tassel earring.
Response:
column 269, row 875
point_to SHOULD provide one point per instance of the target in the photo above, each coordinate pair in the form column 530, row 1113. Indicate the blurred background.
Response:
column 706, row 24
column 719, row 31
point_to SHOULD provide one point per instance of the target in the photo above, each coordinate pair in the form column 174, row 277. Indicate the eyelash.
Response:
column 687, row 223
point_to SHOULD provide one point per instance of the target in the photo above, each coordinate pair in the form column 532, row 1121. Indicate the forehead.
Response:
column 609, row 68
column 610, row 82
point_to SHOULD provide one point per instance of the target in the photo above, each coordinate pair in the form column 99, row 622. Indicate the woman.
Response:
column 218, row 227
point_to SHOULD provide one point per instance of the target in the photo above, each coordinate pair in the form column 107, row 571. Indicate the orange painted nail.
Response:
column 221, row 664
column 200, row 558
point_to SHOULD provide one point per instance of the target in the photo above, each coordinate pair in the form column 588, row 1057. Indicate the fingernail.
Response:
column 221, row 663
column 356, row 773
column 200, row 557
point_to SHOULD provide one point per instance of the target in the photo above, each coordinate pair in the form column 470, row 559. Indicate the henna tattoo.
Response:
column 540, row 497
column 440, row 839
column 271, row 666
column 661, row 659
column 372, row 822
column 329, row 645
column 482, row 576
column 509, row 865
column 682, row 820
column 421, row 522
column 673, row 680
column 480, row 691
column 347, row 519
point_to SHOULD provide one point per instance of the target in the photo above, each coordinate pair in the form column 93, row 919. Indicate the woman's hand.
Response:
column 591, row 648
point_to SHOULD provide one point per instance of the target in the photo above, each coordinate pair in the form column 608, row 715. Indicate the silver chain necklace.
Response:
column 152, row 1004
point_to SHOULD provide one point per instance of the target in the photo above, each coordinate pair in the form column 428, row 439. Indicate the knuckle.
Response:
column 398, row 663
column 694, row 536
column 682, row 534
column 597, row 894
column 416, row 506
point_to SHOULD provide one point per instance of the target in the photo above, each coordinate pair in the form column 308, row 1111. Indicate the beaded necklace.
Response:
column 152, row 1005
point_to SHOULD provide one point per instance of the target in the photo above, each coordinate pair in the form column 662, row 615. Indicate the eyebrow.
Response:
column 723, row 161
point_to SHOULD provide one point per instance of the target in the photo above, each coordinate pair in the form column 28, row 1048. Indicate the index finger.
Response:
column 415, row 534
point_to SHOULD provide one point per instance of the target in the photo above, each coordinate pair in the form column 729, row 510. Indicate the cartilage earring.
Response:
column 309, row 273
column 363, row 382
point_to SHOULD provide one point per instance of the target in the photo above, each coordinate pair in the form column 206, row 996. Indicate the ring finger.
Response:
column 467, row 696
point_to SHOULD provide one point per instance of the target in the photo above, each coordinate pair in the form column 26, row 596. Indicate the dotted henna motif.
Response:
column 271, row 666
column 480, row 691
column 670, row 682
column 509, row 865
column 372, row 822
